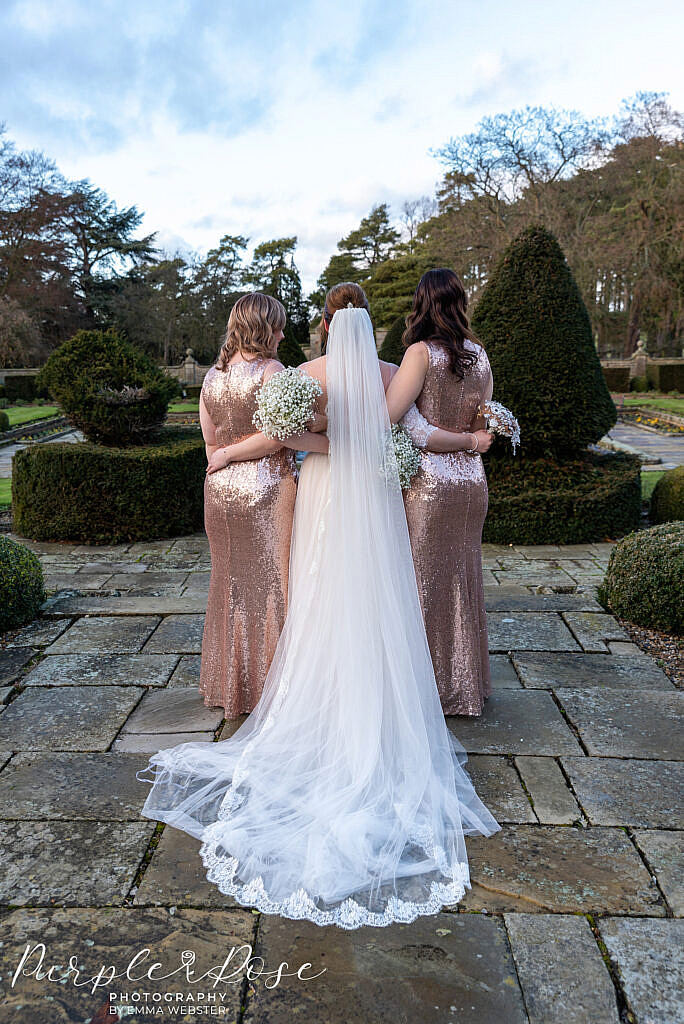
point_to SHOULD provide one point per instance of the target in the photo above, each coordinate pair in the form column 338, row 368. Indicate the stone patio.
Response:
column 576, row 911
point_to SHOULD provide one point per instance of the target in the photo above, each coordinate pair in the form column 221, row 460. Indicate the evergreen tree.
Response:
column 536, row 330
column 392, row 349
column 290, row 352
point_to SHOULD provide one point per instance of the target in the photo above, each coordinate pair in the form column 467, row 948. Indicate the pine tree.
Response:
column 290, row 352
column 536, row 330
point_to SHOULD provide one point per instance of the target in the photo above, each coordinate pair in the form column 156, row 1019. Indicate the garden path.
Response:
column 576, row 909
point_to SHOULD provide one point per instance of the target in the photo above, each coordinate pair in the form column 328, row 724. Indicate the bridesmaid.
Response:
column 447, row 373
column 248, row 511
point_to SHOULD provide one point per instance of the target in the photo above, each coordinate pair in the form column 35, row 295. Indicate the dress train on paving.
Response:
column 342, row 799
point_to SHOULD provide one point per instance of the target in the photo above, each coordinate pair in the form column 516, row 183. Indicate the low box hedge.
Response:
column 617, row 377
column 644, row 579
column 540, row 501
column 103, row 495
column 22, row 586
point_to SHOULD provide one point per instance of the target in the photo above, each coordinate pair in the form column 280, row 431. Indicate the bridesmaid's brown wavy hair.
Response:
column 440, row 313
column 339, row 296
column 253, row 321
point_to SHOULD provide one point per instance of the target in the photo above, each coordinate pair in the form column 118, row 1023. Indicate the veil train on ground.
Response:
column 342, row 798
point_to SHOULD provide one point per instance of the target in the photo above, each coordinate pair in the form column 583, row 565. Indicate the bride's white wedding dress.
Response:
column 342, row 798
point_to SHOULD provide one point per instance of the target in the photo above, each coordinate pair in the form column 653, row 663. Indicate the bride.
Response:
column 342, row 799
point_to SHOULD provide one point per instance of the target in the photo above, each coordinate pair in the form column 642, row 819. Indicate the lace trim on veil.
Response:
column 349, row 913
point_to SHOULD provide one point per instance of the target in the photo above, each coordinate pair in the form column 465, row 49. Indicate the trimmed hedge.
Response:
column 108, row 388
column 537, row 333
column 616, row 377
column 671, row 377
column 392, row 349
column 4, row 421
column 22, row 589
column 24, row 386
column 96, row 495
column 667, row 500
column 644, row 580
column 541, row 501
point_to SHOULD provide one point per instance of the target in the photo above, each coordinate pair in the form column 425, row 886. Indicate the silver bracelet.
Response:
column 473, row 451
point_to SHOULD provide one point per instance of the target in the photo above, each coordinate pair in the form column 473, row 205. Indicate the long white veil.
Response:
column 342, row 798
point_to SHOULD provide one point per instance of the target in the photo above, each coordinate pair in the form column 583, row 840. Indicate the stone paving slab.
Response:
column 180, row 634
column 102, row 670
column 618, row 791
column 150, row 743
column 73, row 582
column 181, row 709
column 542, row 670
column 113, row 567
column 105, row 634
column 664, row 853
column 531, row 578
column 592, row 629
column 504, row 676
column 150, row 579
column 187, row 672
column 498, row 786
column 516, row 722
column 440, row 968
column 553, row 802
column 112, row 936
column 38, row 633
column 12, row 662
column 622, row 723
column 63, row 786
column 649, row 956
column 506, row 599
column 66, row 718
column 128, row 604
column 176, row 876
column 561, row 970
column 74, row 863
column 529, row 631
column 546, row 869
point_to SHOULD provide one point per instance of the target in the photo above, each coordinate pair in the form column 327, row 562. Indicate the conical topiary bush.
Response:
column 536, row 330
column 392, row 349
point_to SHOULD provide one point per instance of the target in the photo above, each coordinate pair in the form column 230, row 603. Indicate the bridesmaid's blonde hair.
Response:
column 253, row 321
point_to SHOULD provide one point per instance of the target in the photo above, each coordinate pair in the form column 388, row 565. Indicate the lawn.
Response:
column 665, row 403
column 20, row 414
column 5, row 491
column 648, row 481
column 184, row 406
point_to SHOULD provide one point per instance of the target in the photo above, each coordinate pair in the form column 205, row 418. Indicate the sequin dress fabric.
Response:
column 446, row 507
column 248, row 513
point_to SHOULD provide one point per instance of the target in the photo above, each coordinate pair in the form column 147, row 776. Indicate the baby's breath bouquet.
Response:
column 407, row 455
column 501, row 420
column 285, row 403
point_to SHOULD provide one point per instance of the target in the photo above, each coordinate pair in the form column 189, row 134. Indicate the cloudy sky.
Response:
column 293, row 117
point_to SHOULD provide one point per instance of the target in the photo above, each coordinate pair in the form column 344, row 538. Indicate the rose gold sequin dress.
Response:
column 446, row 506
column 248, row 511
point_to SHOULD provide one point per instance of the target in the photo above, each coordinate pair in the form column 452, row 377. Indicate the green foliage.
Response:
column 667, row 500
column 290, row 352
column 4, row 421
column 616, row 377
column 541, row 501
column 392, row 285
column 23, row 386
column 22, row 590
column 671, row 377
column 107, row 388
column 644, row 581
column 96, row 495
column 392, row 349
column 536, row 330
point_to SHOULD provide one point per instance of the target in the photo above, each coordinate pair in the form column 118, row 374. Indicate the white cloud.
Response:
column 267, row 120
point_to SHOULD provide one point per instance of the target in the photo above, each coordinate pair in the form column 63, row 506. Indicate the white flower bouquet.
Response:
column 285, row 403
column 407, row 455
column 501, row 420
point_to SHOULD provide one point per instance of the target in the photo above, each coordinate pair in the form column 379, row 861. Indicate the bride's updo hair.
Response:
column 253, row 321
column 440, row 312
column 339, row 297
